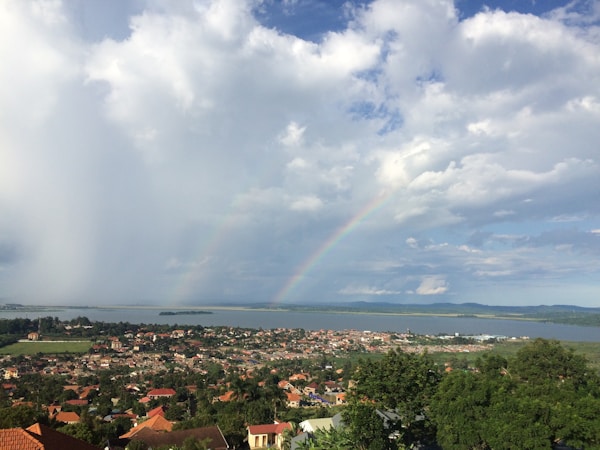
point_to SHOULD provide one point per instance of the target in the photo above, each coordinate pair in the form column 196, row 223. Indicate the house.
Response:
column 226, row 397
column 340, row 398
column 285, row 385
column 308, row 427
column 53, row 410
column 155, row 394
column 40, row 437
column 177, row 334
column 77, row 402
column 87, row 390
column 33, row 336
column 159, row 410
column 299, row 377
column 156, row 423
column 332, row 387
column 67, row 417
column 9, row 388
column 10, row 373
column 269, row 435
column 311, row 388
column 312, row 425
column 211, row 436
column 293, row 400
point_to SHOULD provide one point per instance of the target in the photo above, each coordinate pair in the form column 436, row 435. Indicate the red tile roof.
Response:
column 77, row 402
column 55, row 440
column 164, row 392
column 18, row 438
column 159, row 410
column 40, row 437
column 271, row 428
column 156, row 423
column 293, row 397
column 67, row 417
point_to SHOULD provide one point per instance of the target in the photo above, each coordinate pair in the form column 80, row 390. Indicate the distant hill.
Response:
column 569, row 314
column 430, row 308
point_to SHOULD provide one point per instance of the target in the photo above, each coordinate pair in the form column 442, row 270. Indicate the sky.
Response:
column 299, row 151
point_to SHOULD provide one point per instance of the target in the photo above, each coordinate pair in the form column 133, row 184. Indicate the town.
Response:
column 164, row 379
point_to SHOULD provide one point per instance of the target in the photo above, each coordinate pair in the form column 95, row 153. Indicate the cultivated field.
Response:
column 46, row 347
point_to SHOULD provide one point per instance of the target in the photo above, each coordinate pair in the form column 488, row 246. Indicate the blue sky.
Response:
column 298, row 151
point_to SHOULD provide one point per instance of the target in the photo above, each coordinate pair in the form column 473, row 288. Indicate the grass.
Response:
column 45, row 347
column 508, row 349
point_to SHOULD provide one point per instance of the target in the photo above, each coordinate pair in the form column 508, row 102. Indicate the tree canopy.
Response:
column 543, row 396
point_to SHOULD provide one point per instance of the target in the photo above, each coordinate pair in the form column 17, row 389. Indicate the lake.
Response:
column 333, row 321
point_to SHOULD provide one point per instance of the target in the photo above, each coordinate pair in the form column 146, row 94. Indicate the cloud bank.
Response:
column 201, row 154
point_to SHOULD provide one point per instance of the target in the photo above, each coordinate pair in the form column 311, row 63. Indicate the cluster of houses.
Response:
column 155, row 430
column 149, row 351
column 234, row 349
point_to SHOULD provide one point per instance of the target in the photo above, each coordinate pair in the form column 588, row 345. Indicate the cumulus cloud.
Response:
column 204, row 155
column 366, row 291
column 432, row 285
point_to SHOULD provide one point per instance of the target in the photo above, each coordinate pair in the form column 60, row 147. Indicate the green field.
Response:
column 46, row 347
column 508, row 349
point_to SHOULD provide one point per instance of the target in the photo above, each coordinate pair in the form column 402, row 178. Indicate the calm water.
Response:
column 332, row 321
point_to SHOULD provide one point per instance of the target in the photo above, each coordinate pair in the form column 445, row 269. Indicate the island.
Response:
column 183, row 313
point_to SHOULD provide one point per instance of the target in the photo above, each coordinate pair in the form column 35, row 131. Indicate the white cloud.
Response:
column 366, row 290
column 432, row 285
column 293, row 135
column 307, row 203
column 203, row 135
column 412, row 242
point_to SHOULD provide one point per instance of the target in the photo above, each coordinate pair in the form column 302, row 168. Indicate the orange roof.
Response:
column 85, row 392
column 53, row 409
column 14, row 438
column 77, row 402
column 298, row 376
column 55, row 440
column 156, row 423
column 160, row 410
column 163, row 392
column 227, row 396
column 67, row 417
column 39, row 437
column 293, row 397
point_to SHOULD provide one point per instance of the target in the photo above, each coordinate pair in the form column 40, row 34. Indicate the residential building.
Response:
column 267, row 436
column 155, row 394
column 40, row 437
column 212, row 436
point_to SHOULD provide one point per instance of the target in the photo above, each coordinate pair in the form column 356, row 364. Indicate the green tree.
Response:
column 366, row 429
column 20, row 416
column 78, row 430
column 192, row 443
column 403, row 383
column 258, row 411
column 329, row 439
column 544, row 395
column 137, row 445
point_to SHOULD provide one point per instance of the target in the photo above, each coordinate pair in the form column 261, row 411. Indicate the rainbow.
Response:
column 339, row 234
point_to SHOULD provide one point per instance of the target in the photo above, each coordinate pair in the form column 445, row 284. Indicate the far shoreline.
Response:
column 305, row 310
